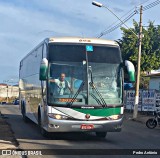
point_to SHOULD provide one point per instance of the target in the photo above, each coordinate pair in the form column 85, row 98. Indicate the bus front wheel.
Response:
column 42, row 130
column 101, row 134
column 25, row 118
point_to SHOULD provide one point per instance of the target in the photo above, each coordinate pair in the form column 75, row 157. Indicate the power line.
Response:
column 143, row 3
column 120, row 18
column 118, row 25
column 153, row 4
column 153, row 25
column 106, row 31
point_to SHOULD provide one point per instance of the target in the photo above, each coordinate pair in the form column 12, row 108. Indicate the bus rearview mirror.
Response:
column 131, row 70
column 43, row 70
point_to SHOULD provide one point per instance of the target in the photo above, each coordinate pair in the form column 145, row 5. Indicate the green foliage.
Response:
column 144, row 82
column 150, row 54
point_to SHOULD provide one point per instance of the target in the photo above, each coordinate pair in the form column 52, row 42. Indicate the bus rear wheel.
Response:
column 101, row 134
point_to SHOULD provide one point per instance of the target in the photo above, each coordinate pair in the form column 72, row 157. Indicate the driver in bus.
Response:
column 61, row 84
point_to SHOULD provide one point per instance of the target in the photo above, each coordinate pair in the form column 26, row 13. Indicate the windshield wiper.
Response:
column 97, row 100
column 99, row 94
column 97, row 91
column 69, row 104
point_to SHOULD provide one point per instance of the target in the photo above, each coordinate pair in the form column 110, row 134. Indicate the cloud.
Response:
column 118, row 10
column 137, row 2
column 26, row 23
column 23, row 27
column 134, row 2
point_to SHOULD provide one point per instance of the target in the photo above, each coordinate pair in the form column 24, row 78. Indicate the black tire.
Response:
column 151, row 123
column 44, row 133
column 25, row 118
column 101, row 134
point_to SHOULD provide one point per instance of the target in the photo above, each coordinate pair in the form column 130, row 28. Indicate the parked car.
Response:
column 128, row 86
column 16, row 102
column 3, row 102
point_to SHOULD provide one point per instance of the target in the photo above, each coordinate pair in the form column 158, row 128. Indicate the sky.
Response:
column 25, row 23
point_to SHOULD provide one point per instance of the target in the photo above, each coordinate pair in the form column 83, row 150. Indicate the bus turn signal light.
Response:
column 114, row 117
column 58, row 116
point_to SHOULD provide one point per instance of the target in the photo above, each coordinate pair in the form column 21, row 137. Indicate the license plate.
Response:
column 84, row 126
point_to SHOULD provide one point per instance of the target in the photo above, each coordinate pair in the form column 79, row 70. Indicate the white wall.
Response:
column 13, row 91
column 154, row 83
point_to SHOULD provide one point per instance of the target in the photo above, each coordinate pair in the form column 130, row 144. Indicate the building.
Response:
column 8, row 92
column 154, row 82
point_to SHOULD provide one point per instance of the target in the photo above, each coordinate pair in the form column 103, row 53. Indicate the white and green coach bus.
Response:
column 71, row 84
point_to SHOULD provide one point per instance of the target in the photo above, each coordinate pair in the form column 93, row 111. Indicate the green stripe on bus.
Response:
column 101, row 112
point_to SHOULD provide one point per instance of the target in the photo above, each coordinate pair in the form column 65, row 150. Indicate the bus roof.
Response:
column 75, row 40
column 81, row 40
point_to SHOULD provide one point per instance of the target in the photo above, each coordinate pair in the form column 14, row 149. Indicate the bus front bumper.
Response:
column 75, row 126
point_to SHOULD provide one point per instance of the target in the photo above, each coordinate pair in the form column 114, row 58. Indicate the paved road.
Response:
column 133, row 136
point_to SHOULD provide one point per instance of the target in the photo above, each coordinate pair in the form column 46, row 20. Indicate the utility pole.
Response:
column 7, row 93
column 135, row 112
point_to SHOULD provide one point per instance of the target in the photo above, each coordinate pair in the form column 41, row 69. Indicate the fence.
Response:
column 149, row 100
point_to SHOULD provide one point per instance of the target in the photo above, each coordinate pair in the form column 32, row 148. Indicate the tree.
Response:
column 150, row 55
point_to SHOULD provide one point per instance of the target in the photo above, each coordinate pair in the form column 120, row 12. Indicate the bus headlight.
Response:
column 115, row 117
column 58, row 116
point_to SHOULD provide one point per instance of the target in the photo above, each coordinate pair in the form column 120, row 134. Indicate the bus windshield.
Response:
column 70, row 84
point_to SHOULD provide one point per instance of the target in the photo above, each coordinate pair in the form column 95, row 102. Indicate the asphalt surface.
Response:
column 134, row 135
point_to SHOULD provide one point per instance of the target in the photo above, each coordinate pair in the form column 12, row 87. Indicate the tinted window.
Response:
column 76, row 53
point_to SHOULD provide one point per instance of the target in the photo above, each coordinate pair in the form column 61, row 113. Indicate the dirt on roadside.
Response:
column 6, row 134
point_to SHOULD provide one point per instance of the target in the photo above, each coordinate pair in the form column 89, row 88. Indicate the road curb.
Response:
column 7, row 139
column 141, row 118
